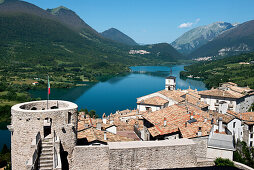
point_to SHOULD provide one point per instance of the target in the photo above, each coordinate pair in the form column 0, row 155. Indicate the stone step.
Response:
column 46, row 168
column 46, row 165
column 46, row 157
column 47, row 140
column 46, row 146
column 47, row 149
column 46, row 161
column 47, row 154
column 47, row 143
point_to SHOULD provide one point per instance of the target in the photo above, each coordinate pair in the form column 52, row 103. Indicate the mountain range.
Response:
column 199, row 36
column 239, row 39
column 118, row 36
column 60, row 35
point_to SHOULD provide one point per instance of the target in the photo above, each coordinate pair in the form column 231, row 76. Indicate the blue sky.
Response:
column 154, row 21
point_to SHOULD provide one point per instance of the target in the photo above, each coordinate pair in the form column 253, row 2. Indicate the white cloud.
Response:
column 189, row 24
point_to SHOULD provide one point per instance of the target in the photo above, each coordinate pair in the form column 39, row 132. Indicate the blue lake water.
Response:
column 120, row 92
column 117, row 93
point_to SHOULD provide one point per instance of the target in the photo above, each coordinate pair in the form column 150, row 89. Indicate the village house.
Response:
column 241, row 127
column 170, row 96
column 228, row 97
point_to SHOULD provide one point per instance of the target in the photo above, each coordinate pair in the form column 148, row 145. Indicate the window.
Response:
column 217, row 101
column 69, row 117
column 251, row 128
column 148, row 108
column 251, row 144
column 251, row 136
column 234, row 124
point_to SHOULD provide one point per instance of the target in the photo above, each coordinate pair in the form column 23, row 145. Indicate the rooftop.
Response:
column 93, row 134
column 156, row 100
column 173, row 94
column 177, row 118
column 222, row 141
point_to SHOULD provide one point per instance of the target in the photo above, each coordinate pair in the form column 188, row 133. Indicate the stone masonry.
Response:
column 29, row 118
column 177, row 153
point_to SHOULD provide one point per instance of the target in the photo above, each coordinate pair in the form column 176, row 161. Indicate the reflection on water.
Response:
column 121, row 92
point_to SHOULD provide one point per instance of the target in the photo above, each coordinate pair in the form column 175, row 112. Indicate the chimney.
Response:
column 104, row 119
column 105, row 135
column 111, row 122
column 220, row 124
column 186, row 124
column 165, row 122
column 98, row 125
column 191, row 116
column 205, row 120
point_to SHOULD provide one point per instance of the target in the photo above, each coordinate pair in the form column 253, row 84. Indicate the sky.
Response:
column 154, row 21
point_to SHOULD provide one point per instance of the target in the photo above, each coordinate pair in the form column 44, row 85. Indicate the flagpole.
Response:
column 48, row 95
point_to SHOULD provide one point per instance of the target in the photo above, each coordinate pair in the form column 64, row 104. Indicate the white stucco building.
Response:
column 228, row 97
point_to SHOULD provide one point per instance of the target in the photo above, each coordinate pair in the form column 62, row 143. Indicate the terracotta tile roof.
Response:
column 193, row 92
column 191, row 130
column 247, row 117
column 156, row 100
column 173, row 94
column 176, row 118
column 226, row 118
column 128, row 134
column 221, row 93
column 229, row 84
column 93, row 134
column 195, row 101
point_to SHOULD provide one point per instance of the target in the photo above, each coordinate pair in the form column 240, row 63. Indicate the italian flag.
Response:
column 48, row 86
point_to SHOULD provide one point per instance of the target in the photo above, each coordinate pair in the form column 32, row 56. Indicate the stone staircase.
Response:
column 46, row 157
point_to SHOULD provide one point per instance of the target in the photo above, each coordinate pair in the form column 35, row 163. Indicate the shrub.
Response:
column 223, row 162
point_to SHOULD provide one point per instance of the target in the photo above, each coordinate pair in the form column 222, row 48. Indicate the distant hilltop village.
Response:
column 168, row 129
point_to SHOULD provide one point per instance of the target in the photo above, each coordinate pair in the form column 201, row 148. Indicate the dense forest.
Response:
column 237, row 69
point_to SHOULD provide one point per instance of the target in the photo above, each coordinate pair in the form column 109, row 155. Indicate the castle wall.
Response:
column 90, row 157
column 177, row 153
column 27, row 123
column 201, row 150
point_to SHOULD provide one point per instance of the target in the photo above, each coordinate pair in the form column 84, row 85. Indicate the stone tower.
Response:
column 170, row 83
column 36, row 120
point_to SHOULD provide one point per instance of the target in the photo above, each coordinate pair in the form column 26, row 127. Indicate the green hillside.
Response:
column 118, row 36
column 224, row 70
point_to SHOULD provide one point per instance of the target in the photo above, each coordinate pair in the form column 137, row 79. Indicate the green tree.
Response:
column 223, row 162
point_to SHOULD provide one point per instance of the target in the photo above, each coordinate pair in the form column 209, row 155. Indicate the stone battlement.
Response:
column 44, row 106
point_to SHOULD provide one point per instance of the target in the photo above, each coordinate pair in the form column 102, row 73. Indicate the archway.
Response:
column 47, row 126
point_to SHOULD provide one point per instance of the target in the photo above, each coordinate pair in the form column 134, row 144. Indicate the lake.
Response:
column 117, row 93
column 120, row 92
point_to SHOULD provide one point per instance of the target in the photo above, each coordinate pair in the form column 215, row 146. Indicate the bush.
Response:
column 223, row 162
